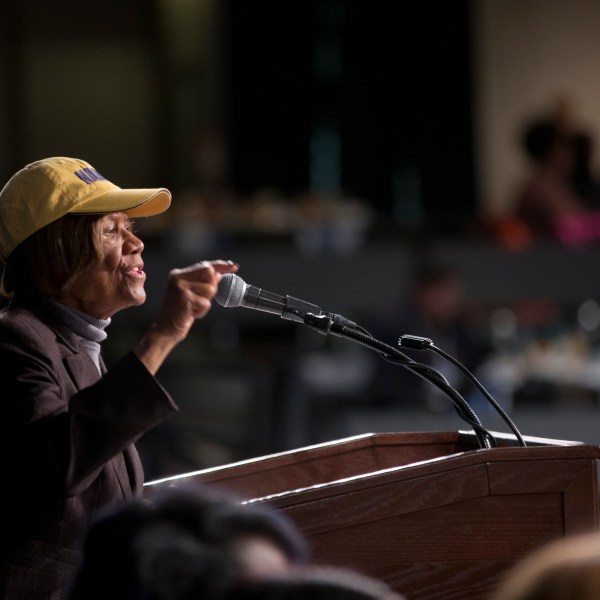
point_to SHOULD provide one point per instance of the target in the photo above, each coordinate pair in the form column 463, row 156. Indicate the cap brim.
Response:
column 134, row 202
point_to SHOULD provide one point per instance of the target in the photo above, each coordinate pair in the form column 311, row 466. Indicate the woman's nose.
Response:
column 134, row 243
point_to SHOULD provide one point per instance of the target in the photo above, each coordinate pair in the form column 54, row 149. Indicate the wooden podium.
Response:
column 431, row 514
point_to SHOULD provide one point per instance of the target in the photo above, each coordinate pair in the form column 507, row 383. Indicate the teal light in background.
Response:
column 407, row 195
column 325, row 166
column 325, row 161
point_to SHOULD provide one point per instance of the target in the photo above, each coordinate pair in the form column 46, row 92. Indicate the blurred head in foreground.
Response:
column 566, row 569
column 185, row 544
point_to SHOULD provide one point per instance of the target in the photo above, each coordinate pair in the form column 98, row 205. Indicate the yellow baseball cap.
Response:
column 48, row 189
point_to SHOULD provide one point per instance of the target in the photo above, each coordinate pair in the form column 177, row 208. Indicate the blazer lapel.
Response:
column 82, row 369
column 78, row 364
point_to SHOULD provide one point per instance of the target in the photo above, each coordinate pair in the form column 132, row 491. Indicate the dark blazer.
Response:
column 66, row 445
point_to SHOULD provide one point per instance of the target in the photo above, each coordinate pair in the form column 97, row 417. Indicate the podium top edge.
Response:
column 362, row 441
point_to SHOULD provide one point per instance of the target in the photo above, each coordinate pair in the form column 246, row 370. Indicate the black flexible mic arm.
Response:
column 420, row 343
column 336, row 325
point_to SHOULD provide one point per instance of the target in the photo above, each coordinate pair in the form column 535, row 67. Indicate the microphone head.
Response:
column 231, row 292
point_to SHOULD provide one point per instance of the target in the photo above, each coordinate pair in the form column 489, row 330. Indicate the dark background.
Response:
column 400, row 95
column 392, row 80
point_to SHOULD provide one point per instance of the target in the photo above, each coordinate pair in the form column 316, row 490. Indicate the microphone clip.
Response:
column 322, row 323
column 329, row 323
column 296, row 310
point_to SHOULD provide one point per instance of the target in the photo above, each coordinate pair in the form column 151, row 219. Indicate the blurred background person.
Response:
column 434, row 308
column 561, row 194
column 549, row 193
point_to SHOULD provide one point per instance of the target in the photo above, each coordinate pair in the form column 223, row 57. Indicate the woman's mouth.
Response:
column 137, row 272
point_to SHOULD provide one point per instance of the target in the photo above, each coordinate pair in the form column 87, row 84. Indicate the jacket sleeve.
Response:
column 57, row 435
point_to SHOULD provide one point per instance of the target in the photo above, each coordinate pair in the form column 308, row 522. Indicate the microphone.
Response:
column 234, row 292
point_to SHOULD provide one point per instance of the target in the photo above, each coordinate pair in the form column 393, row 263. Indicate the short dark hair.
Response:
column 177, row 545
column 540, row 137
column 50, row 260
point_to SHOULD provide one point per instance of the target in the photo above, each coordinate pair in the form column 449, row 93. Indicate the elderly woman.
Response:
column 71, row 261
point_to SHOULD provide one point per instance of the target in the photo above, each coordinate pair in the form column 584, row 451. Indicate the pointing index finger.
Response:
column 225, row 266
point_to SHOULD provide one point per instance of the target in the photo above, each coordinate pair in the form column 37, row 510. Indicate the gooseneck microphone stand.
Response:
column 421, row 343
column 338, row 326
column 233, row 292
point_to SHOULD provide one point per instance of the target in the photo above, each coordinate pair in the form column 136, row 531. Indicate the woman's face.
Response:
column 116, row 279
